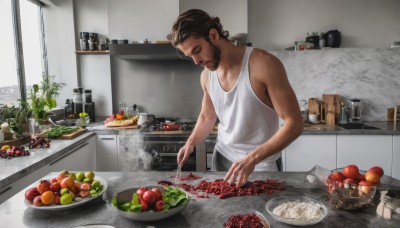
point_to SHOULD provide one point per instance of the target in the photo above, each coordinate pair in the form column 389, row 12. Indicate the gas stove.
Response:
column 179, row 126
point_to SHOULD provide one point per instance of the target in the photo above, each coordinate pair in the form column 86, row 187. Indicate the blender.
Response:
column 355, row 107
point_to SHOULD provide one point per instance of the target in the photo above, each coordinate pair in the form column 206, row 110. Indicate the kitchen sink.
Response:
column 362, row 126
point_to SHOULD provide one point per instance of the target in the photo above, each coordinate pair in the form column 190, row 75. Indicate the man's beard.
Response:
column 216, row 55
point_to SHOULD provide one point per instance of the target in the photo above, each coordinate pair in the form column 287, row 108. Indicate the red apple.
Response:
column 377, row 170
column 159, row 205
column 365, row 187
column 351, row 171
column 37, row 201
column 372, row 177
column 336, row 176
column 31, row 193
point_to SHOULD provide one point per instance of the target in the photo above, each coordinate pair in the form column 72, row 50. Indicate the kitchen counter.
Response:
column 13, row 169
column 385, row 128
column 199, row 213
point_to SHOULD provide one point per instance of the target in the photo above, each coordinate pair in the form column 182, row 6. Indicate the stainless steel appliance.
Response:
column 164, row 146
column 355, row 107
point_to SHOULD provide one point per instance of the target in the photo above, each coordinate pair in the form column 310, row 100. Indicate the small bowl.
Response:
column 225, row 217
column 313, row 118
column 351, row 197
column 273, row 203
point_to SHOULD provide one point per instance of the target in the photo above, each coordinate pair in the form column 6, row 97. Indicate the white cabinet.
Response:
column 106, row 153
column 80, row 158
column 15, row 187
column 396, row 157
column 365, row 151
column 310, row 150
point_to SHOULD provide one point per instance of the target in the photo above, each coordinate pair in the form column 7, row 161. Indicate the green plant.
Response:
column 43, row 97
column 16, row 117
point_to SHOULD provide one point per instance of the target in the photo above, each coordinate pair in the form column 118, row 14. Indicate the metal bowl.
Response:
column 126, row 196
column 274, row 203
column 225, row 217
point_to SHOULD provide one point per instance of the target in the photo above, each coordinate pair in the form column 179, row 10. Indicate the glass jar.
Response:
column 84, row 41
column 88, row 96
column 77, row 96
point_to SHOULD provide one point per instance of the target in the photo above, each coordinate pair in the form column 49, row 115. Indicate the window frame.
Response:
column 16, row 19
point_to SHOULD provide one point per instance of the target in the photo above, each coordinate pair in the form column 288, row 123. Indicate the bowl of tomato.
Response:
column 150, row 203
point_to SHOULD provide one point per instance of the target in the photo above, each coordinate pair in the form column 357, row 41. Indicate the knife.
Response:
column 178, row 175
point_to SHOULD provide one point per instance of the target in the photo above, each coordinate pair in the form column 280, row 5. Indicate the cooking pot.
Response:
column 333, row 38
column 145, row 118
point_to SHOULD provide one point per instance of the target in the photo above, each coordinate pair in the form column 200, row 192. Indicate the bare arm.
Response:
column 204, row 125
column 271, row 85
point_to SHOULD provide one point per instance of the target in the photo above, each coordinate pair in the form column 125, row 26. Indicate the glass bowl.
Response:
column 319, row 207
column 225, row 217
column 350, row 197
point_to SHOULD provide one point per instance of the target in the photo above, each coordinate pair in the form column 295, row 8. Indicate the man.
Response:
column 247, row 89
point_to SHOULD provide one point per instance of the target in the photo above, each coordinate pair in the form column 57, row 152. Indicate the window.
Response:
column 21, row 58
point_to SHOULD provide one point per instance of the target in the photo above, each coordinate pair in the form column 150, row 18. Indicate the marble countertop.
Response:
column 13, row 169
column 199, row 213
column 385, row 128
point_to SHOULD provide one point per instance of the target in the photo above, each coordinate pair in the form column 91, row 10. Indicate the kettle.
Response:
column 333, row 38
column 355, row 107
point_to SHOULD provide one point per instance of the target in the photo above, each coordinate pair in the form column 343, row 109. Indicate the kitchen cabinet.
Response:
column 106, row 153
column 310, row 150
column 13, row 188
column 396, row 157
column 365, row 151
column 80, row 158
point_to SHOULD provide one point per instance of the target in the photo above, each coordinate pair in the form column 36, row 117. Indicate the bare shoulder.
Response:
column 204, row 79
column 262, row 58
column 265, row 66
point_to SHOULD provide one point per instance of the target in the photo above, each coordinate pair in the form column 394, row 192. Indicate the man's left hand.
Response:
column 239, row 172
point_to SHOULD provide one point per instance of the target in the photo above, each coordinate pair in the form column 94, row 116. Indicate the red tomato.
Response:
column 144, row 205
column 158, row 193
column 159, row 205
column 150, row 197
column 141, row 191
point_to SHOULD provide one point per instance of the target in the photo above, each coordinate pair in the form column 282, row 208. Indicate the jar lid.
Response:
column 88, row 91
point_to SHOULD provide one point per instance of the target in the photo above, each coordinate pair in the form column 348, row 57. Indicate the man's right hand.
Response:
column 184, row 153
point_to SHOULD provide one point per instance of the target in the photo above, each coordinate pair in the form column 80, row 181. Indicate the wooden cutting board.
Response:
column 313, row 106
column 73, row 134
column 123, row 127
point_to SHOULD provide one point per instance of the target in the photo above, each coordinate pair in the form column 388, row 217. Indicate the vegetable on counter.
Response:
column 59, row 131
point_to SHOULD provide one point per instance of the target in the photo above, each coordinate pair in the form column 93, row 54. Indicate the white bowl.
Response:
column 273, row 203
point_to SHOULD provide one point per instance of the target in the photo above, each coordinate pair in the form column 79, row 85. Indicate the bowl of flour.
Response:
column 297, row 210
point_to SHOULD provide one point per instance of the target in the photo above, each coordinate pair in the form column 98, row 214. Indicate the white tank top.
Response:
column 245, row 121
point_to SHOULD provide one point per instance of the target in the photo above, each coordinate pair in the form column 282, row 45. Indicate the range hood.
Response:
column 156, row 51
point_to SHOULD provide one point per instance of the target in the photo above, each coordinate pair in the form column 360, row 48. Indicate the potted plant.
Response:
column 16, row 118
column 43, row 98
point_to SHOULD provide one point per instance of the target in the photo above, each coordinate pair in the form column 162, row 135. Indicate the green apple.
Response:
column 96, row 184
column 64, row 191
column 80, row 176
column 72, row 175
column 88, row 180
column 66, row 199
column 89, row 175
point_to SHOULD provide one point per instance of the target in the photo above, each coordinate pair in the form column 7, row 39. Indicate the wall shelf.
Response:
column 158, row 51
column 93, row 52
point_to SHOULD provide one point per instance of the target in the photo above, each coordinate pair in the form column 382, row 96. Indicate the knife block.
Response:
column 393, row 114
